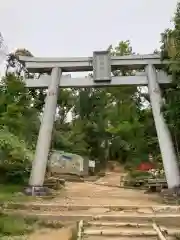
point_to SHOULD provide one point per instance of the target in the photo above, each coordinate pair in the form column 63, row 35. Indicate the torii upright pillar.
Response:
column 44, row 139
column 163, row 133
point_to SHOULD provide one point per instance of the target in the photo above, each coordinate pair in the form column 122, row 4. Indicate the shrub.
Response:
column 14, row 225
column 15, row 157
column 139, row 174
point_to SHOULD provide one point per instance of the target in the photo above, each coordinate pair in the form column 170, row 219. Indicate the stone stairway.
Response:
column 106, row 212
column 109, row 230
column 107, row 222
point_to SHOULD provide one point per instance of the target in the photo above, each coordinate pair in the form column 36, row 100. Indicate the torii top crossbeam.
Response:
column 35, row 64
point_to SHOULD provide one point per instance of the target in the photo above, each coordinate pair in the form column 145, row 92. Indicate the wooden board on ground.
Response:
column 133, row 182
column 156, row 185
column 54, row 183
column 159, row 232
column 69, row 177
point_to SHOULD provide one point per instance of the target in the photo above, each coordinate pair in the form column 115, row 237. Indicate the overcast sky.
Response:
column 64, row 28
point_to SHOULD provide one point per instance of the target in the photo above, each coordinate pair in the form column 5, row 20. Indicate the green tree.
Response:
column 113, row 119
column 171, row 50
column 19, row 125
column 16, row 110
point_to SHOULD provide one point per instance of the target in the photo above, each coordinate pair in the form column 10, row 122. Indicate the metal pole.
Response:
column 45, row 132
column 163, row 133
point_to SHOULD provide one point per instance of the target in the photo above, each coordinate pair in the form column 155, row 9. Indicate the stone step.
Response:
column 119, row 228
column 100, row 224
column 161, row 219
column 71, row 207
column 127, row 232
column 125, row 238
column 69, row 177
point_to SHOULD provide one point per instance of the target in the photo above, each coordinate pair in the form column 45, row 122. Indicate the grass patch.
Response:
column 13, row 226
column 12, row 193
column 16, row 225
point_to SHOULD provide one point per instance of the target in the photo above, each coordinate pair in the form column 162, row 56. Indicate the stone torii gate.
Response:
column 102, row 64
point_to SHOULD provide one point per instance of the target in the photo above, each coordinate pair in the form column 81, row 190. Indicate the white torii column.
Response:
column 163, row 133
column 45, row 132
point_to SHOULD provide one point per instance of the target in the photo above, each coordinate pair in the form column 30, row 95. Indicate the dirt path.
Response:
column 64, row 233
column 92, row 194
column 87, row 193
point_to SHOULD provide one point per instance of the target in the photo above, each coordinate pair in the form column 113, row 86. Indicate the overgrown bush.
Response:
column 15, row 158
column 139, row 174
column 15, row 225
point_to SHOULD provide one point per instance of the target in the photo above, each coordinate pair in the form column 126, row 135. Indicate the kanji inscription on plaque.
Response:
column 51, row 93
column 156, row 90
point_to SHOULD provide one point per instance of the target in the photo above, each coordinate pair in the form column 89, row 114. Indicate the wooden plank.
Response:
column 157, row 181
column 80, row 230
column 158, row 230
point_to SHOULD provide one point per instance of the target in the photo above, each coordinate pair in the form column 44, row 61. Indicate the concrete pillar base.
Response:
column 175, row 191
column 37, row 191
